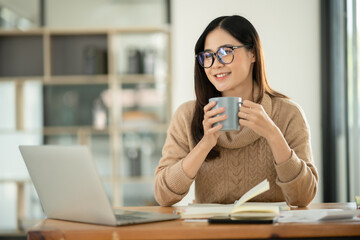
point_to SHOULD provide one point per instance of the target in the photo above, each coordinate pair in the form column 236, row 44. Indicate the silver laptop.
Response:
column 69, row 187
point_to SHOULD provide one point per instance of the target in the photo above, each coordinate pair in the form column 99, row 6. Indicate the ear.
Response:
column 252, row 55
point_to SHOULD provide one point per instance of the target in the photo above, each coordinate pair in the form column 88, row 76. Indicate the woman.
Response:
column 273, row 142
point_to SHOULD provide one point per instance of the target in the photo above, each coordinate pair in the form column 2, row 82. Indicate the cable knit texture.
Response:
column 245, row 160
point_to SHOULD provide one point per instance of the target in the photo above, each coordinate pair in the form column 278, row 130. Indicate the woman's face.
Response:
column 234, row 79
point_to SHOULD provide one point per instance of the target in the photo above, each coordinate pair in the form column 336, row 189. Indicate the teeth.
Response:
column 221, row 75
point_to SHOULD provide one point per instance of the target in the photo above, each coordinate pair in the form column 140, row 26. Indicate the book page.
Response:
column 209, row 210
column 258, row 189
column 259, row 210
column 201, row 211
column 205, row 211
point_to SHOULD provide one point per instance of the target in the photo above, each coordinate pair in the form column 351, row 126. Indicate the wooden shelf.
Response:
column 95, row 79
column 15, row 131
column 141, row 78
column 15, row 180
column 80, row 67
column 164, row 29
column 76, row 80
column 155, row 128
column 90, row 79
column 22, row 78
column 110, row 30
column 76, row 31
column 4, row 32
column 85, row 31
column 73, row 130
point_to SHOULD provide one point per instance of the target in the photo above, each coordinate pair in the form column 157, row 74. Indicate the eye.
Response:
column 224, row 51
column 207, row 55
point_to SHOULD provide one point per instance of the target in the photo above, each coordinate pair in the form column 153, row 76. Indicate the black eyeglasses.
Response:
column 225, row 55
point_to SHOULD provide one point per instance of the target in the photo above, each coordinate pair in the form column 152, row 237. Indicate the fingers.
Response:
column 245, row 112
column 214, row 129
column 243, row 115
column 212, row 116
column 209, row 112
column 254, row 116
column 208, row 122
column 217, row 119
column 246, row 123
column 250, row 104
column 251, row 112
column 208, row 109
column 250, row 108
column 208, row 106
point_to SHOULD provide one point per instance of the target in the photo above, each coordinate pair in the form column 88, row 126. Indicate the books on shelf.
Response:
column 241, row 208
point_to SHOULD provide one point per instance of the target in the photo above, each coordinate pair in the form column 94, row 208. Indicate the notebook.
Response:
column 241, row 209
column 69, row 187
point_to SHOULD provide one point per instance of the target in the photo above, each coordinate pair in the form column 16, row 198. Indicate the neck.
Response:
column 245, row 91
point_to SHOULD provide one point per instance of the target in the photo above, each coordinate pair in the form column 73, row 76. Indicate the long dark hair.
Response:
column 241, row 29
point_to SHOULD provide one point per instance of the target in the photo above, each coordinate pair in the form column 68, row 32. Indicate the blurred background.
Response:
column 110, row 73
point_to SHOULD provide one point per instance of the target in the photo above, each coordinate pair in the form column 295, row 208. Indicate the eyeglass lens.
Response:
column 225, row 55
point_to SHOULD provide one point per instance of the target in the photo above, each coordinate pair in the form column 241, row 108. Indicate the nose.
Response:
column 217, row 63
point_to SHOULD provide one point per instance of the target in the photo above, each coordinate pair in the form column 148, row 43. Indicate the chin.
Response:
column 221, row 88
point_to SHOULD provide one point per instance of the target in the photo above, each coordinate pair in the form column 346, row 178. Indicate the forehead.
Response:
column 219, row 37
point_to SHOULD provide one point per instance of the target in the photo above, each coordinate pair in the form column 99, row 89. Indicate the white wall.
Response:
column 290, row 35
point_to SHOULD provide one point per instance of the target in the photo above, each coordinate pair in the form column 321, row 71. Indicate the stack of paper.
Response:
column 316, row 215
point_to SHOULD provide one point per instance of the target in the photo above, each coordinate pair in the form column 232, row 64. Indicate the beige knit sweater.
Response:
column 245, row 160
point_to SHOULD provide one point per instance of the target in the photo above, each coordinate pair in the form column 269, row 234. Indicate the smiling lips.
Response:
column 221, row 75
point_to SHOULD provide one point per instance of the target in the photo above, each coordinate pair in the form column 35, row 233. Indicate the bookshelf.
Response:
column 106, row 88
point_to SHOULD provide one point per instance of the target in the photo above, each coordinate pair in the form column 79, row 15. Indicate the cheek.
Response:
column 239, row 60
column 207, row 72
column 241, row 64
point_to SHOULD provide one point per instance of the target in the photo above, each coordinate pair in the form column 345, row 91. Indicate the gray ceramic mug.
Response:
column 232, row 105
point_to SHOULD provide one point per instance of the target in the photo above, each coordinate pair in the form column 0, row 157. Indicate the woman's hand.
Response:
column 211, row 134
column 193, row 161
column 253, row 115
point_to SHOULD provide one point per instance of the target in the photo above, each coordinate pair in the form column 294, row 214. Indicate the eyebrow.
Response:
column 225, row 45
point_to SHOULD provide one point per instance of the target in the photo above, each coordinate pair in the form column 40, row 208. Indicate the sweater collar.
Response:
column 238, row 139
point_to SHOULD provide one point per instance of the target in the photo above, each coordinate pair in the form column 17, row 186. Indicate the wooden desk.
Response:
column 178, row 229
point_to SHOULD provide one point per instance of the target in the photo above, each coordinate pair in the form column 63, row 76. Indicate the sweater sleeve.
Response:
column 297, row 177
column 171, row 182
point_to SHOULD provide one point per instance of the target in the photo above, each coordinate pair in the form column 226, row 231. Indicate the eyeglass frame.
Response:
column 217, row 56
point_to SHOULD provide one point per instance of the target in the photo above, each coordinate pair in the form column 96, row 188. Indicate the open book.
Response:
column 241, row 208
